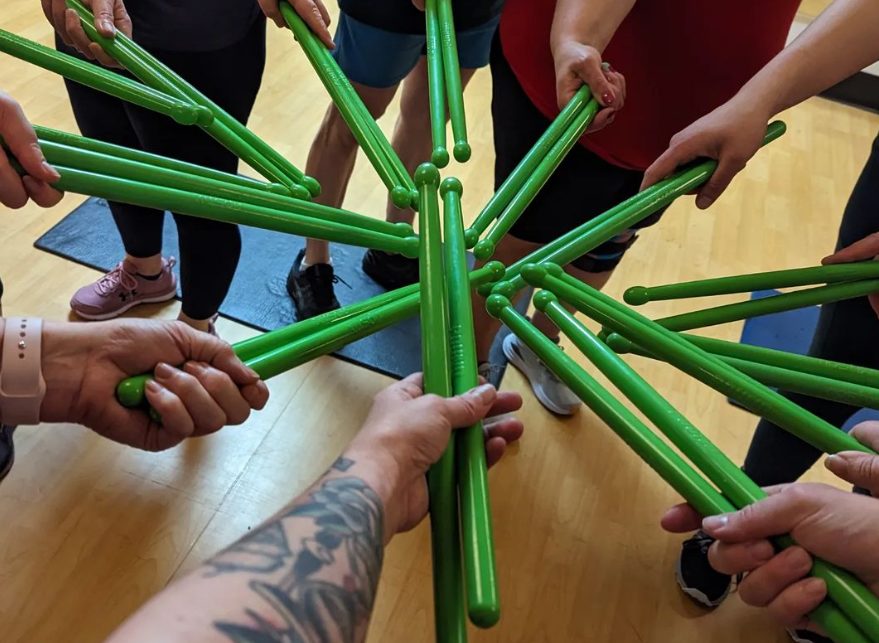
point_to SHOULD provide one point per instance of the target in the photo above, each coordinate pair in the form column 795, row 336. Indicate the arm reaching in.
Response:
column 19, row 137
column 310, row 573
column 841, row 41
column 864, row 250
column 580, row 32
column 83, row 363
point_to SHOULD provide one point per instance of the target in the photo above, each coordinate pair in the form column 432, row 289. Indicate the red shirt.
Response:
column 681, row 59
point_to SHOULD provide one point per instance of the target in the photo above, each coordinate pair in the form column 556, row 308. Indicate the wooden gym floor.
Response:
column 90, row 529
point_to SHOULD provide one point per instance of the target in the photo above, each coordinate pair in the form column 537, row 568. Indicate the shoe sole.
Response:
column 694, row 594
column 514, row 359
column 126, row 307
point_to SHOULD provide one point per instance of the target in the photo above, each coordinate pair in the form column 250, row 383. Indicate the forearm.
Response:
column 309, row 573
column 589, row 22
column 840, row 42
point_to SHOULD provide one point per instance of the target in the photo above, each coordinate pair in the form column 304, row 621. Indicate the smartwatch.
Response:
column 22, row 386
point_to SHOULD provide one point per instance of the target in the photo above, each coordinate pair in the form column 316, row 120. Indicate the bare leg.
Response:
column 411, row 139
column 332, row 155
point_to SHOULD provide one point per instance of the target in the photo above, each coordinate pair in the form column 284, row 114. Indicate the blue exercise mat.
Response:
column 790, row 331
column 258, row 296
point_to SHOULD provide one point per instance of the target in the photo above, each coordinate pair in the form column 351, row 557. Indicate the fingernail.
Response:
column 607, row 99
column 152, row 386
column 832, row 461
column 51, row 171
column 252, row 373
column 815, row 587
column 108, row 26
column 163, row 371
column 483, row 392
column 715, row 522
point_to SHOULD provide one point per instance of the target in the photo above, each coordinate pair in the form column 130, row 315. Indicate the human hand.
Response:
column 407, row 431
column 860, row 469
column 312, row 12
column 83, row 364
column 577, row 64
column 110, row 15
column 19, row 136
column 731, row 135
column 418, row 4
column 835, row 525
column 863, row 250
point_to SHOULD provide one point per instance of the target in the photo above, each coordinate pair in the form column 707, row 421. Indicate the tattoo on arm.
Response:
column 322, row 584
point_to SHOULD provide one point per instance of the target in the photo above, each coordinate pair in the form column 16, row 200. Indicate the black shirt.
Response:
column 401, row 15
column 191, row 25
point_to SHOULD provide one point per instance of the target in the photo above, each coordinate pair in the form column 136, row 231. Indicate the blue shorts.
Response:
column 378, row 58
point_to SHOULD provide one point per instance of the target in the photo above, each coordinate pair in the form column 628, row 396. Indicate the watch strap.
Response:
column 22, row 386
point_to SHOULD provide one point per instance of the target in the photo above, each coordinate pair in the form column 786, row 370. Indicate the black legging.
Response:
column 209, row 251
column 848, row 331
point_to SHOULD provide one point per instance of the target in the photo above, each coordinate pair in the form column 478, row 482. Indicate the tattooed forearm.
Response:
column 315, row 567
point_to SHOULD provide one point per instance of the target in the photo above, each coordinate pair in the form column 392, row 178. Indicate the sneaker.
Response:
column 491, row 373
column 550, row 390
column 390, row 271
column 312, row 288
column 122, row 289
column 697, row 578
column 807, row 636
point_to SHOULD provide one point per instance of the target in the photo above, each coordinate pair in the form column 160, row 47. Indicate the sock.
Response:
column 303, row 265
column 150, row 277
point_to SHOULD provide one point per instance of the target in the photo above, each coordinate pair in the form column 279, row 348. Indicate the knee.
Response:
column 415, row 110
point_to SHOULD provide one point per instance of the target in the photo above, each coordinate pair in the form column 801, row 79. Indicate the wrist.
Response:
column 62, row 364
column 384, row 475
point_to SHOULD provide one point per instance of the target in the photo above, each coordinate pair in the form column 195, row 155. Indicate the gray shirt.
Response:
column 191, row 25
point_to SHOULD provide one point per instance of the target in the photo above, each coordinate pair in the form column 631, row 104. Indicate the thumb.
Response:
column 861, row 469
column 668, row 162
column 103, row 11
column 21, row 140
column 726, row 170
column 866, row 248
column 777, row 514
column 467, row 409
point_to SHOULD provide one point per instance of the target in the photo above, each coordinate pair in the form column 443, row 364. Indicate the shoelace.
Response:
column 115, row 278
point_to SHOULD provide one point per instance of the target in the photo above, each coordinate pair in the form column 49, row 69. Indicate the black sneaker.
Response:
column 697, row 578
column 390, row 271
column 312, row 288
column 807, row 636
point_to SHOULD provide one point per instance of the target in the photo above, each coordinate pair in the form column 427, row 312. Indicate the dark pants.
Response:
column 209, row 250
column 848, row 331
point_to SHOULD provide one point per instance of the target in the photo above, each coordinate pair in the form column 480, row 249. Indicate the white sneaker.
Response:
column 552, row 392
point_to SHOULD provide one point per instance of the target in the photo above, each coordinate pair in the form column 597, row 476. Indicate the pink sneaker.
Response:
column 122, row 289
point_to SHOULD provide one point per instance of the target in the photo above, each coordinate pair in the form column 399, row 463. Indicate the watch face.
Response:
column 7, row 449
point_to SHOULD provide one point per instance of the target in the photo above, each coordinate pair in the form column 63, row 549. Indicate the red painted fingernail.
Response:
column 607, row 99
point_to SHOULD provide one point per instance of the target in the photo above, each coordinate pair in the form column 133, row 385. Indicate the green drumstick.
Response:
column 104, row 80
column 844, row 590
column 480, row 571
column 638, row 295
column 224, row 128
column 449, row 608
column 436, row 85
column 618, row 219
column 452, row 73
column 118, row 151
column 514, row 183
column 769, row 305
column 71, row 156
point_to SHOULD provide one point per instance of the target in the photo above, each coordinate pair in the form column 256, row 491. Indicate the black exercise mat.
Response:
column 258, row 297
